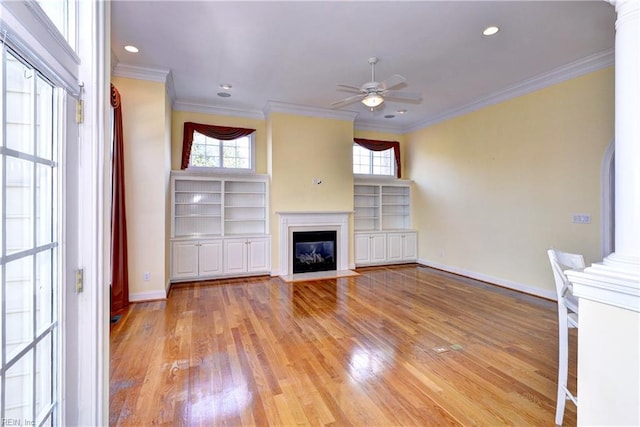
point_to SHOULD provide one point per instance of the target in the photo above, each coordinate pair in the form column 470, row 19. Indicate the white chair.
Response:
column 567, row 318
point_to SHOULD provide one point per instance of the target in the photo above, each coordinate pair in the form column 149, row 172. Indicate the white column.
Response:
column 609, row 292
column 627, row 126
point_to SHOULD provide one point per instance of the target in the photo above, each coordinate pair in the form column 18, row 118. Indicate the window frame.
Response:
column 225, row 170
column 394, row 170
column 30, row 350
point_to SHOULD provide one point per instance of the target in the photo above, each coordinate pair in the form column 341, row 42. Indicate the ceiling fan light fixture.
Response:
column 372, row 100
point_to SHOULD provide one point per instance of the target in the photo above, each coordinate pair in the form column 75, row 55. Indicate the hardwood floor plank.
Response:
column 346, row 351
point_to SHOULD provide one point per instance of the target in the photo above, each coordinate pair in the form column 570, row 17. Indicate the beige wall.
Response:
column 492, row 191
column 180, row 117
column 497, row 187
column 302, row 149
column 145, row 128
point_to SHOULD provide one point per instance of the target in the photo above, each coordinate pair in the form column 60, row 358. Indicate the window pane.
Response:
column 236, row 153
column 19, row 387
column 382, row 162
column 19, row 93
column 205, row 151
column 44, row 205
column 63, row 15
column 19, row 304
column 19, row 207
column 44, row 119
column 45, row 277
column 44, row 373
column 361, row 160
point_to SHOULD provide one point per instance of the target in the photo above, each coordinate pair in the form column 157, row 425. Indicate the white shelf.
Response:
column 217, row 205
column 382, row 206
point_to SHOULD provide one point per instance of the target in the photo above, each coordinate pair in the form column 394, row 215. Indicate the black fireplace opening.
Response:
column 314, row 251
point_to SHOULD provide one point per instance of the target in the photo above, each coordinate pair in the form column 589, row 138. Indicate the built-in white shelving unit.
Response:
column 382, row 223
column 219, row 226
column 382, row 206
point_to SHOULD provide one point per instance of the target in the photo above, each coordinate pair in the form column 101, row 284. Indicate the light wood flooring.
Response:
column 350, row 351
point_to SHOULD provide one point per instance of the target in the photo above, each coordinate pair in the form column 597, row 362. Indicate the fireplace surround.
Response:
column 291, row 222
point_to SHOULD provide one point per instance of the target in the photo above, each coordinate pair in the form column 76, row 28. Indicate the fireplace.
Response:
column 301, row 222
column 314, row 251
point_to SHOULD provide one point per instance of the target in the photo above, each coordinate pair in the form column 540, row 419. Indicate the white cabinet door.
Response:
column 410, row 246
column 210, row 258
column 370, row 248
column 402, row 247
column 395, row 247
column 362, row 248
column 235, row 259
column 378, row 248
column 259, row 257
column 185, row 260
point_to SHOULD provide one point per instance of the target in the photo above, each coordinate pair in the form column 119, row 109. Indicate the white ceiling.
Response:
column 295, row 52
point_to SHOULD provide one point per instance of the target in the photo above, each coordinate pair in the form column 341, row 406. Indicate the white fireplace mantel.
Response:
column 291, row 222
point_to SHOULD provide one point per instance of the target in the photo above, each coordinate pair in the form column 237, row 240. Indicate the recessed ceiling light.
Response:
column 489, row 31
column 225, row 86
column 131, row 48
column 389, row 116
column 402, row 111
column 224, row 94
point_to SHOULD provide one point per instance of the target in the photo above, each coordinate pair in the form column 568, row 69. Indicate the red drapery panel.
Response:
column 224, row 133
column 373, row 145
column 119, row 265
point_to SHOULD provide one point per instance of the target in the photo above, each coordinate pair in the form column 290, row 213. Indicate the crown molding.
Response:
column 574, row 69
column 194, row 107
column 303, row 110
column 160, row 75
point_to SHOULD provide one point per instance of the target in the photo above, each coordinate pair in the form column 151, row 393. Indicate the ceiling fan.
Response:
column 372, row 93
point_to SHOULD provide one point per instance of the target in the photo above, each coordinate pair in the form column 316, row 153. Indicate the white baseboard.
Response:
column 147, row 296
column 492, row 280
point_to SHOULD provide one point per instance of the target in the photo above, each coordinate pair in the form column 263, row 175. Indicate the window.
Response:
column 368, row 162
column 29, row 261
column 215, row 153
column 218, row 147
column 62, row 14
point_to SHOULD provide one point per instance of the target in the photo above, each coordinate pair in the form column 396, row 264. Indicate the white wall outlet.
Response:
column 146, row 276
column 581, row 219
column 316, row 181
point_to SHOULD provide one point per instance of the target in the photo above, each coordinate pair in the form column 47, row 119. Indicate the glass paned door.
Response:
column 29, row 262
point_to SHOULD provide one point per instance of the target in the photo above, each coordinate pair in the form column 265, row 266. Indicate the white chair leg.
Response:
column 563, row 363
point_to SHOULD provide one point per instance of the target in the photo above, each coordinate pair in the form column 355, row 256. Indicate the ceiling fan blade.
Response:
column 400, row 95
column 392, row 82
column 347, row 101
column 349, row 88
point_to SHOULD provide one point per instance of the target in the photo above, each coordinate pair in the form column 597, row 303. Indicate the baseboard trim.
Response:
column 147, row 296
column 520, row 287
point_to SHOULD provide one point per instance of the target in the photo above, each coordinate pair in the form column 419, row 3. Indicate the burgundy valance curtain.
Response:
column 373, row 145
column 224, row 133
